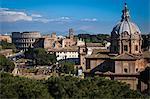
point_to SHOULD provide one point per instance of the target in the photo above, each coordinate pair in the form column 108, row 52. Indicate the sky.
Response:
column 93, row 16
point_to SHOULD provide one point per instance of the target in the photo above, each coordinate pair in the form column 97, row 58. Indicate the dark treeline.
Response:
column 146, row 41
column 40, row 56
column 63, row 87
column 6, row 45
column 5, row 64
column 99, row 38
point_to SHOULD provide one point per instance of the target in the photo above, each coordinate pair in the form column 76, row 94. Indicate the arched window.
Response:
column 136, row 47
column 125, row 33
column 129, row 85
column 125, row 70
column 125, row 48
column 136, row 69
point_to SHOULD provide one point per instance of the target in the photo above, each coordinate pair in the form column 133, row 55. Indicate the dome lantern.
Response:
column 125, row 13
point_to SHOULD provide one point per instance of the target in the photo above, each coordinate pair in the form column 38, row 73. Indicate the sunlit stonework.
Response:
column 126, row 36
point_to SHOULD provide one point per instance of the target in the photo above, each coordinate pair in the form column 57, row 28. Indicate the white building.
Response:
column 65, row 53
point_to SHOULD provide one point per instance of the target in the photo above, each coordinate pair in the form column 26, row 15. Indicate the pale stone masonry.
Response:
column 125, row 60
column 24, row 40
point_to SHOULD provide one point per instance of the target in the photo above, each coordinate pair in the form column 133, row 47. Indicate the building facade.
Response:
column 25, row 39
column 68, row 54
column 70, row 40
column 87, row 49
column 47, row 42
column 125, row 59
column 6, row 52
column 6, row 38
column 54, row 41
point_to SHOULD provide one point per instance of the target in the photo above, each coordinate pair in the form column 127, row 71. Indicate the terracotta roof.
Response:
column 146, row 54
column 98, row 55
column 126, row 56
column 67, row 49
column 108, row 72
column 96, row 51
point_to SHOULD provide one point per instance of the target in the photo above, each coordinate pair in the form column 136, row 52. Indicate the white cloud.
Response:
column 46, row 20
column 43, row 20
column 60, row 19
column 4, row 9
column 7, row 15
column 36, row 15
column 65, row 18
column 89, row 20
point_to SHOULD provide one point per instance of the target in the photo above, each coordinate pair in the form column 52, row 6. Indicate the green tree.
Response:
column 71, row 87
column 145, row 77
column 87, row 40
column 102, row 36
column 6, row 64
column 64, row 87
column 21, row 88
column 67, row 67
column 40, row 56
column 6, row 45
column 52, row 58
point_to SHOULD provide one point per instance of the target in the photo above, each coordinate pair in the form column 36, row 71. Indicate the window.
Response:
column 126, row 70
column 125, row 48
column 125, row 34
column 115, row 48
column 136, row 69
column 87, row 64
column 136, row 48
column 83, row 50
column 129, row 85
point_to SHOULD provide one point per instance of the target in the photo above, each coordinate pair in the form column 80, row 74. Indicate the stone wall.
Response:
column 125, row 67
column 101, row 65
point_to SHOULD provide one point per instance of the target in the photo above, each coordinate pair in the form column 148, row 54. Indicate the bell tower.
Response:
column 71, row 33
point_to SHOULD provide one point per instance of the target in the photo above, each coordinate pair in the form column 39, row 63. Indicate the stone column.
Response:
column 120, row 47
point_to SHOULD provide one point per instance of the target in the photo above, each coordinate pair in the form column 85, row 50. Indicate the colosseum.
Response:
column 25, row 39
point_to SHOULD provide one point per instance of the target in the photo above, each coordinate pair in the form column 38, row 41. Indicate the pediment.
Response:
column 126, row 56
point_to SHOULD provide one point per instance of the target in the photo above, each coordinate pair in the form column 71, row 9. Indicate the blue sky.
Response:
column 96, row 16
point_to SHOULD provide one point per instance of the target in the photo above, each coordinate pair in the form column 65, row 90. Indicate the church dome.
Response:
column 126, row 25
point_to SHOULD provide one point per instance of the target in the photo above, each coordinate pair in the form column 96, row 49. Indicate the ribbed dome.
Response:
column 126, row 36
column 126, row 25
